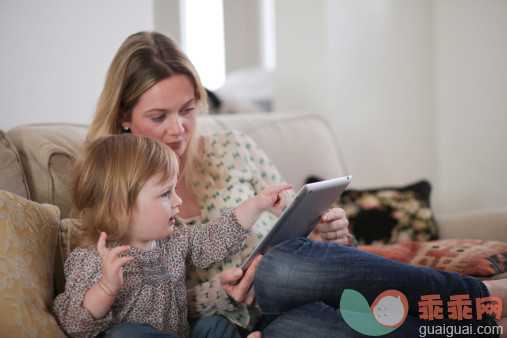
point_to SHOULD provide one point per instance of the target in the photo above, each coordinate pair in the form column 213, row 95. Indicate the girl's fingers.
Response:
column 282, row 201
column 277, row 189
column 123, row 260
column 282, row 187
column 114, row 252
column 101, row 245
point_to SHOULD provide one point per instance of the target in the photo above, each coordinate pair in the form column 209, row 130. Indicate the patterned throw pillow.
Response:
column 63, row 249
column 28, row 236
column 467, row 257
column 390, row 215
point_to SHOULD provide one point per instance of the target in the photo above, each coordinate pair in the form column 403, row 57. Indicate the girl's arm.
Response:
column 83, row 268
column 250, row 210
column 99, row 298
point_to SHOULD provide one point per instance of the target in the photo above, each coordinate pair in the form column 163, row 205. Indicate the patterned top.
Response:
column 243, row 171
column 154, row 290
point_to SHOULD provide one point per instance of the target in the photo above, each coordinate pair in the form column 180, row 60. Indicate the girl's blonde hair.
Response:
column 107, row 177
column 144, row 59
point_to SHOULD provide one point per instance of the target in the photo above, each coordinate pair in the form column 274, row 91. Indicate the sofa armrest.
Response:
column 483, row 223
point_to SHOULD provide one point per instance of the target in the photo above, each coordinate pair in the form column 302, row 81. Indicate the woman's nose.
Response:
column 174, row 125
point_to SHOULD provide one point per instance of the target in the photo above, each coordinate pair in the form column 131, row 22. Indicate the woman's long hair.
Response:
column 144, row 59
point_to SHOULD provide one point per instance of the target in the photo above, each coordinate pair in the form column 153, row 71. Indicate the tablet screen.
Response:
column 303, row 214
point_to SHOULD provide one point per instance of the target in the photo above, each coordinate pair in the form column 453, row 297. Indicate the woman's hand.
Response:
column 333, row 227
column 239, row 285
column 112, row 264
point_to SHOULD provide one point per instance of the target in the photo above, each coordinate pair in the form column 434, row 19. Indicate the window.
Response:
column 202, row 38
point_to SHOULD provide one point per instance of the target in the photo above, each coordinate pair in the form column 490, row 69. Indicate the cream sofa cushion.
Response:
column 13, row 177
column 47, row 152
column 28, row 233
column 292, row 140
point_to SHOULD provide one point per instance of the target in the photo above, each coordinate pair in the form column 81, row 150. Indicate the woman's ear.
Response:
column 122, row 119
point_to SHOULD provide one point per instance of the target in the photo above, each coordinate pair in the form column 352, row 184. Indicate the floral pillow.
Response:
column 390, row 215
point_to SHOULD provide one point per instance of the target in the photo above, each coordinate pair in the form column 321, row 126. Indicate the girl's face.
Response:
column 166, row 112
column 153, row 217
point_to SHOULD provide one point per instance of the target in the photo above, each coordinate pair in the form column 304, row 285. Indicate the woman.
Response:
column 152, row 89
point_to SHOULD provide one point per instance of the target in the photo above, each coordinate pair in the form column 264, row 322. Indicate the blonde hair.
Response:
column 144, row 59
column 107, row 177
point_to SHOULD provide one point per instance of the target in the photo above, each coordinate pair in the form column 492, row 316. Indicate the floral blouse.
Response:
column 154, row 282
column 243, row 171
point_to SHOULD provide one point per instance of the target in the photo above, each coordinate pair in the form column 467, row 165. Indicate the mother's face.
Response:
column 166, row 112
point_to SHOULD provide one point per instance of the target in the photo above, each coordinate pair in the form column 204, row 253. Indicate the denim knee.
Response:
column 286, row 253
column 133, row 330
column 213, row 326
column 311, row 320
column 277, row 265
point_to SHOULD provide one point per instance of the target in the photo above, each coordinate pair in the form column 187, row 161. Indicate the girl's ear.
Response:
column 118, row 213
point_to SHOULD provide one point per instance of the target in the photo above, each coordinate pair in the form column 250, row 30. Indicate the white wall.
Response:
column 471, row 102
column 55, row 54
column 415, row 89
column 242, row 34
column 167, row 18
column 368, row 67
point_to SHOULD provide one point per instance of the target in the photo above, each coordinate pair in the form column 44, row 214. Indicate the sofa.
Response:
column 35, row 206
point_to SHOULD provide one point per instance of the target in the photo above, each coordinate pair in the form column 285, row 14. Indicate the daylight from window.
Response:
column 203, row 39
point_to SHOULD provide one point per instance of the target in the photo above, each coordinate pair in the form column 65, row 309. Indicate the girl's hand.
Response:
column 273, row 196
column 333, row 227
column 250, row 210
column 112, row 265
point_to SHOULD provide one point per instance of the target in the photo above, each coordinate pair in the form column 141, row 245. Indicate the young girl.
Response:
column 129, row 265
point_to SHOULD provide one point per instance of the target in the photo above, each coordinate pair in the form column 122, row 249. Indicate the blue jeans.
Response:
column 299, row 283
column 205, row 327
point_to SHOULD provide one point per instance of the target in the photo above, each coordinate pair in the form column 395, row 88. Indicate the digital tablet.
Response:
column 302, row 215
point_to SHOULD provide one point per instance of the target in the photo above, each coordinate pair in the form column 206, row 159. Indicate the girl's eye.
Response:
column 165, row 194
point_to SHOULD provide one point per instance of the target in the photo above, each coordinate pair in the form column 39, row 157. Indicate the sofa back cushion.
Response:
column 299, row 144
column 12, row 176
column 47, row 152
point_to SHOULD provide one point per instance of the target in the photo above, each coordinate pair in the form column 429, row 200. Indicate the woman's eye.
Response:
column 158, row 118
column 187, row 110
